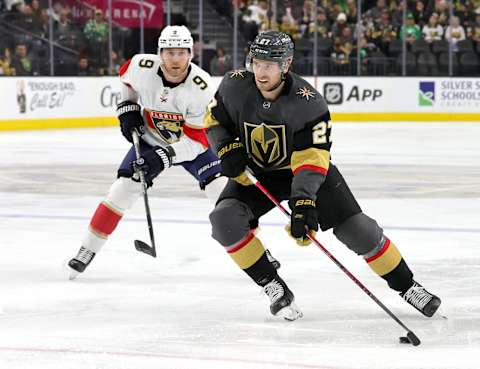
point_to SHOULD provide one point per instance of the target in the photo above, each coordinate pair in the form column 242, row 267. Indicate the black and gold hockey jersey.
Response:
column 291, row 133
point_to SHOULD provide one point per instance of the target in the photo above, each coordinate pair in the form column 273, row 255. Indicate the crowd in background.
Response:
column 82, row 48
column 379, row 33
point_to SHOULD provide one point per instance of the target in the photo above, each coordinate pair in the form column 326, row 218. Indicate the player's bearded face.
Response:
column 268, row 74
column 175, row 62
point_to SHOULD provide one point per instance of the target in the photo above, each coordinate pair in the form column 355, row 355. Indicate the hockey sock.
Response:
column 121, row 196
column 102, row 224
column 389, row 264
column 249, row 254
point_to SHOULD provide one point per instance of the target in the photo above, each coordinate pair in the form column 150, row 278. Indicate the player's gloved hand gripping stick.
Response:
column 140, row 245
column 411, row 337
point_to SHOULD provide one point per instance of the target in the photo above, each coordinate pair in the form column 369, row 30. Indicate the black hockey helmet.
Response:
column 272, row 46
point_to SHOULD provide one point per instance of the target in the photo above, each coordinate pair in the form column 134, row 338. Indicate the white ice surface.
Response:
column 191, row 307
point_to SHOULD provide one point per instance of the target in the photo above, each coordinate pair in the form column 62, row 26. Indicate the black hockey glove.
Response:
column 130, row 117
column 153, row 162
column 234, row 159
column 303, row 218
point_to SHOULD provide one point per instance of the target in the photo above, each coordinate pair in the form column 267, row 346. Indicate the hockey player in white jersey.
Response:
column 164, row 99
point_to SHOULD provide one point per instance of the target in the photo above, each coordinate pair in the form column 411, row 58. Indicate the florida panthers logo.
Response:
column 167, row 125
column 266, row 143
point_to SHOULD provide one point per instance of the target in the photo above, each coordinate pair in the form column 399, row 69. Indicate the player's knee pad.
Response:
column 230, row 221
column 360, row 234
column 214, row 188
column 123, row 193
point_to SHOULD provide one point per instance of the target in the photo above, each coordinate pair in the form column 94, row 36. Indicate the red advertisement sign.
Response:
column 125, row 13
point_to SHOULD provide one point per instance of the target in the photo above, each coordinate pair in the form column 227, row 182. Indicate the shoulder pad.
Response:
column 237, row 74
column 306, row 95
column 199, row 71
column 235, row 78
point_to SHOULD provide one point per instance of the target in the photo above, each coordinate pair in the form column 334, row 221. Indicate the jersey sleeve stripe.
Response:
column 124, row 67
column 313, row 168
column 317, row 160
column 149, row 119
column 197, row 134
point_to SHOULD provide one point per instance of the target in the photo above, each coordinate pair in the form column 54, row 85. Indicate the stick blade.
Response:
column 414, row 340
column 143, row 247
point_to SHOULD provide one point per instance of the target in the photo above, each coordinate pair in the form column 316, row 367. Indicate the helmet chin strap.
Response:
column 283, row 77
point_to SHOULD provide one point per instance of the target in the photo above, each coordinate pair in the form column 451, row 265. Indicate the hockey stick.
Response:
column 412, row 338
column 140, row 245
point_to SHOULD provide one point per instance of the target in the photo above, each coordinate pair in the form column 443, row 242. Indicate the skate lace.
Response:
column 417, row 296
column 274, row 290
column 84, row 255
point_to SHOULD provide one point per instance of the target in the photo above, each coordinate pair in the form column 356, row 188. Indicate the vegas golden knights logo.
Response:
column 266, row 144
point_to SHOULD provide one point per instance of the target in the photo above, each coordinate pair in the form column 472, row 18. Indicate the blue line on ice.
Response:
column 199, row 222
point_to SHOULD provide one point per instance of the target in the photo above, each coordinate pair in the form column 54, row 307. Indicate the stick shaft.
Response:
column 136, row 144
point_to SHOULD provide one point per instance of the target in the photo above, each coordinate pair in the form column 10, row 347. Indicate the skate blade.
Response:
column 290, row 313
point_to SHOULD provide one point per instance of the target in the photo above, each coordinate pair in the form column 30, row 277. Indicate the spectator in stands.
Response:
column 464, row 10
column 13, row 5
column 441, row 8
column 248, row 25
column 410, row 31
column 308, row 11
column 36, row 8
column 290, row 26
column 44, row 22
column 258, row 13
column 83, row 67
column 454, row 32
column 117, row 62
column 221, row 63
column 351, row 11
column 96, row 29
column 22, row 63
column 62, row 27
column 334, row 11
column 347, row 36
column 420, row 14
column 382, row 32
column 339, row 25
column 323, row 25
column 340, row 57
column 96, row 33
column 396, row 13
column 473, row 31
column 28, row 21
column 432, row 31
column 5, row 62
column 366, row 48
column 377, row 10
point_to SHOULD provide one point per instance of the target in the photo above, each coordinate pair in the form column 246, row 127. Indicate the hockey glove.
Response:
column 303, row 219
column 130, row 117
column 153, row 162
column 234, row 159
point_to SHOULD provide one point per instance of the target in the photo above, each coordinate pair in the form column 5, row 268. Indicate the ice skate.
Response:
column 80, row 262
column 422, row 300
column 282, row 300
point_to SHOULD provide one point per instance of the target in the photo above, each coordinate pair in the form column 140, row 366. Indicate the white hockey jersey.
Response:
column 170, row 113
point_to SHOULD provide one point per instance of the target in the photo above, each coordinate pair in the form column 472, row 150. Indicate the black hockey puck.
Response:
column 410, row 338
column 403, row 339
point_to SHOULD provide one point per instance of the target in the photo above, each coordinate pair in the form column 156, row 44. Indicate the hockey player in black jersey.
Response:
column 274, row 122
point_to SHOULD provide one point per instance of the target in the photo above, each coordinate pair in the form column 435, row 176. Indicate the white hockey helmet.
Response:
column 175, row 37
